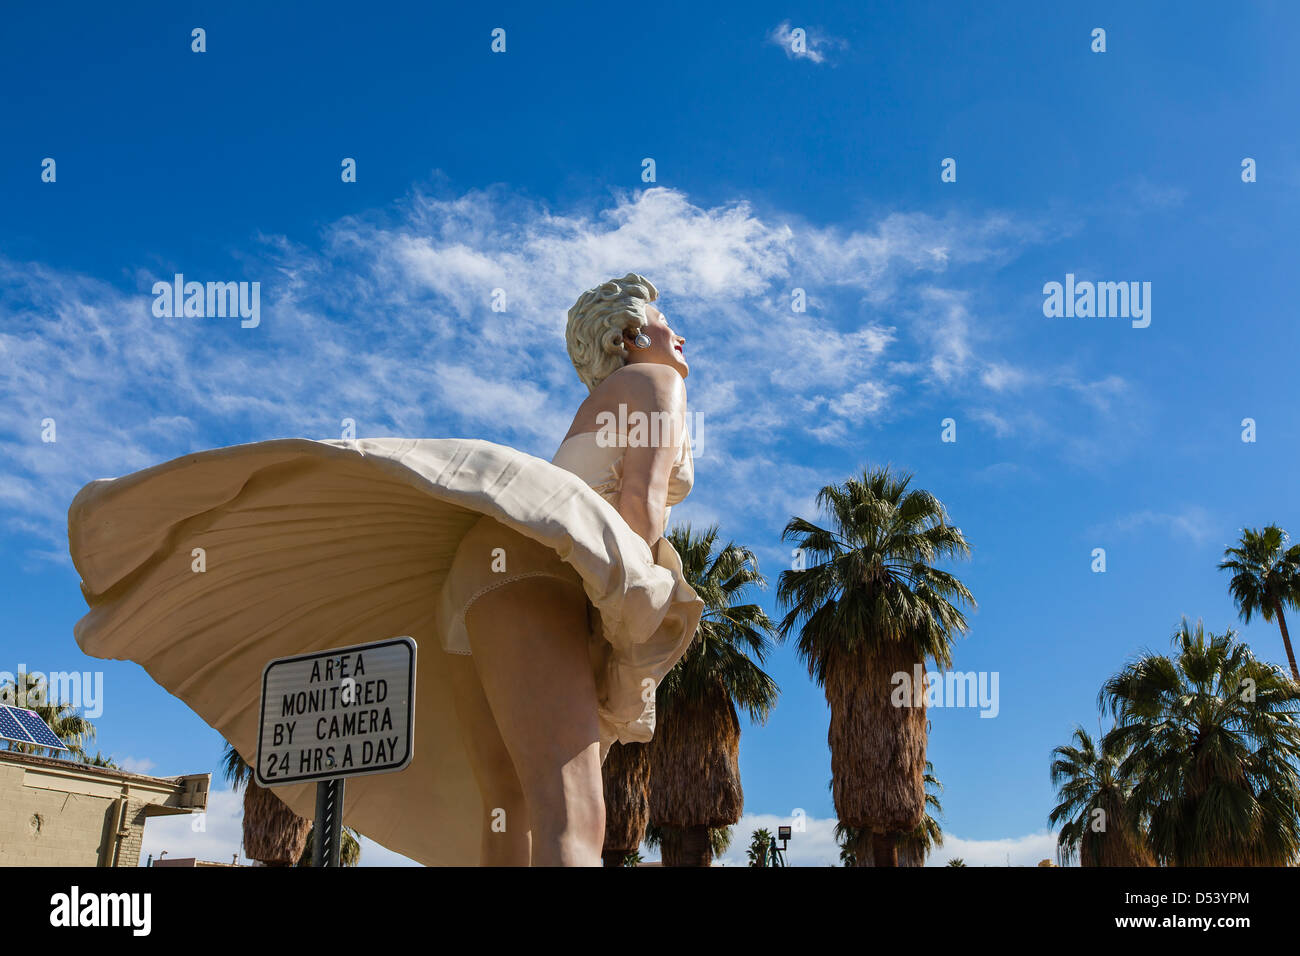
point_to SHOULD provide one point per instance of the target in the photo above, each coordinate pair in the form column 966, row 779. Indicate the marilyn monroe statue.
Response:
column 544, row 599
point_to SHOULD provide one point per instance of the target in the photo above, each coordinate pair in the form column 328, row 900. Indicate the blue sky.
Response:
column 774, row 171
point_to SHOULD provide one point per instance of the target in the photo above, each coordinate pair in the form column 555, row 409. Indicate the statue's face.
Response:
column 666, row 346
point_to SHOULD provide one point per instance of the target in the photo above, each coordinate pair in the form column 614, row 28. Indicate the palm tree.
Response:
column 626, row 778
column 1213, row 745
column 913, row 848
column 873, row 605
column 694, row 755
column 956, row 861
column 674, row 843
column 855, row 844
column 273, row 834
column 1265, row 577
column 31, row 692
column 99, row 760
column 349, row 851
column 760, row 844
column 1099, row 821
column 719, row 841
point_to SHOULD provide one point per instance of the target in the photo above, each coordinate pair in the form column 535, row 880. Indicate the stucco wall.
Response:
column 53, row 815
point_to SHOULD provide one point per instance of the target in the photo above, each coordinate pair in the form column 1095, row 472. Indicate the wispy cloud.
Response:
column 136, row 764
column 1000, row 377
column 1193, row 522
column 805, row 43
column 388, row 319
column 991, row 419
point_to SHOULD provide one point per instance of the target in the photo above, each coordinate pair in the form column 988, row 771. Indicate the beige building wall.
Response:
column 62, row 813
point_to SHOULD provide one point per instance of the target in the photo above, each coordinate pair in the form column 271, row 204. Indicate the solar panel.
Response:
column 37, row 728
column 10, row 729
column 26, row 727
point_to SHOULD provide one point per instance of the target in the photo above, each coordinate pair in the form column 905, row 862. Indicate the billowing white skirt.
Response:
column 310, row 545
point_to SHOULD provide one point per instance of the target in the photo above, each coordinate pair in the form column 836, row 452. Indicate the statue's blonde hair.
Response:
column 594, row 333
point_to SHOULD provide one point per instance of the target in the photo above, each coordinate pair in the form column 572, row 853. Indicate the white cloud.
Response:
column 816, row 42
column 218, row 835
column 1193, row 522
column 222, row 834
column 1000, row 426
column 1013, row 851
column 816, row 846
column 1101, row 394
column 1001, row 472
column 1000, row 377
column 861, row 402
column 136, row 764
column 372, row 854
column 387, row 319
column 827, row 358
column 946, row 321
column 1141, row 195
column 215, row 835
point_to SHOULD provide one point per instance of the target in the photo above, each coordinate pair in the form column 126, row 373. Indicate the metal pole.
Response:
column 317, row 830
column 327, row 834
column 336, row 825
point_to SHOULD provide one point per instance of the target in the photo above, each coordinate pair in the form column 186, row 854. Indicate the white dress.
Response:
column 309, row 545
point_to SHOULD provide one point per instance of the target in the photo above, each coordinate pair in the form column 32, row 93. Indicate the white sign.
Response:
column 344, row 712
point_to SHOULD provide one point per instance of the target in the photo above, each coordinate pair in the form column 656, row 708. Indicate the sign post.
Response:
column 327, row 835
column 330, row 715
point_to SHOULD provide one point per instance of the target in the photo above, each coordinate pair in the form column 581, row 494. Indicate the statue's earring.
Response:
column 642, row 341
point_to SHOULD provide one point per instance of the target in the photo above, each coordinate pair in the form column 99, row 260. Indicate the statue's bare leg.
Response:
column 529, row 641
column 505, row 826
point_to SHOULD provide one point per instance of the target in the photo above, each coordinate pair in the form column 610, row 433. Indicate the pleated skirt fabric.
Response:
column 307, row 545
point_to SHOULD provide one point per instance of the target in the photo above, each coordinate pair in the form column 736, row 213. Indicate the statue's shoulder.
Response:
column 647, row 385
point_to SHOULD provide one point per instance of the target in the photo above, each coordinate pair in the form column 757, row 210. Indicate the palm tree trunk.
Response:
column 670, row 846
column 1286, row 639
column 690, row 847
column 884, row 848
column 626, row 778
column 863, row 855
column 273, row 834
column 877, row 747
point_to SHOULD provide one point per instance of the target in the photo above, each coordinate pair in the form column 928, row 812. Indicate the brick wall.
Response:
column 129, row 854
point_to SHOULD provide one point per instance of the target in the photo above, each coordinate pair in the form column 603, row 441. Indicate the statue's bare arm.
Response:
column 652, row 391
